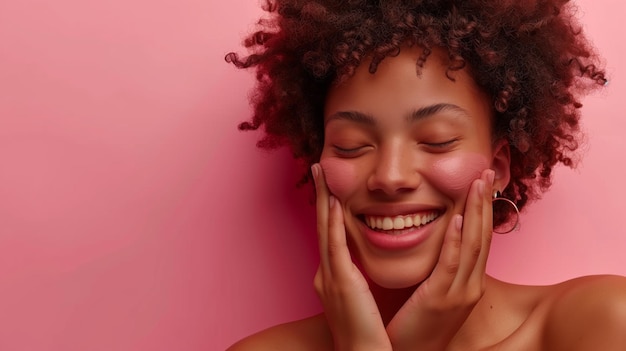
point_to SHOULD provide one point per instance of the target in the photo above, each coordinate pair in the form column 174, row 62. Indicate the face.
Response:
column 400, row 153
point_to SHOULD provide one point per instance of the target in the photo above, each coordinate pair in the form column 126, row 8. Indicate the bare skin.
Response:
column 587, row 313
column 518, row 318
column 433, row 294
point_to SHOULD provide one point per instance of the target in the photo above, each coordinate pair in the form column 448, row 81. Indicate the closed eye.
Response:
column 349, row 152
column 442, row 145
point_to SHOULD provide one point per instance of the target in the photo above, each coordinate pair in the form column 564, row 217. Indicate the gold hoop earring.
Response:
column 497, row 196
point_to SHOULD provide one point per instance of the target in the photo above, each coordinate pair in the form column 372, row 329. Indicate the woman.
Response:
column 427, row 125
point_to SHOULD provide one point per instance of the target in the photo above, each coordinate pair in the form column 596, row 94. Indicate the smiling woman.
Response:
column 414, row 116
column 422, row 141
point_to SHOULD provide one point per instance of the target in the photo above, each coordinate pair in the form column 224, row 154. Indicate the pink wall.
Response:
column 134, row 216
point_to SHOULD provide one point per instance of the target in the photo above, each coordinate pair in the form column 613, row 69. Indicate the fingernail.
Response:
column 315, row 173
column 458, row 222
column 481, row 188
column 332, row 201
column 491, row 174
column 314, row 170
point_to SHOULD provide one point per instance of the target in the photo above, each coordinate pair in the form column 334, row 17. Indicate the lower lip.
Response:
column 411, row 238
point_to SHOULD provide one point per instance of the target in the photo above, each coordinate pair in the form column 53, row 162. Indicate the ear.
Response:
column 501, row 164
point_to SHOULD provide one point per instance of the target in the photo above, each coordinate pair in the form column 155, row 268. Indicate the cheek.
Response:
column 340, row 176
column 455, row 174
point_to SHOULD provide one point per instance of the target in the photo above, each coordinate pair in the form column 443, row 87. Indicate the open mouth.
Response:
column 399, row 223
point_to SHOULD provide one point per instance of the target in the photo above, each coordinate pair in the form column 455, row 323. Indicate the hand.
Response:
column 440, row 305
column 349, row 306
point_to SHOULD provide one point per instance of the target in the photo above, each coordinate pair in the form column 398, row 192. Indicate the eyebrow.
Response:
column 430, row 110
column 353, row 116
column 419, row 114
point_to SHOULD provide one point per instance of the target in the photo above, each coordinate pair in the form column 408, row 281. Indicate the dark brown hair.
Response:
column 530, row 57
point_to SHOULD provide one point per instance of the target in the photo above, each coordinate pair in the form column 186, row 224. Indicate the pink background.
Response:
column 134, row 216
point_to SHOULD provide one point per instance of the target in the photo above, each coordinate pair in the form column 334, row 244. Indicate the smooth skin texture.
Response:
column 434, row 295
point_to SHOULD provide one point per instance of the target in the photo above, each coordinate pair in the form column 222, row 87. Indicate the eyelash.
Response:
column 347, row 152
column 441, row 145
column 354, row 151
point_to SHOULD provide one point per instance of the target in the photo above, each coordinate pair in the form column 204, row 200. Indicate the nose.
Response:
column 396, row 170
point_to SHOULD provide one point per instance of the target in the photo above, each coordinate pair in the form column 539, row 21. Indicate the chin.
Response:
column 397, row 270
column 395, row 284
column 396, row 274
column 398, row 283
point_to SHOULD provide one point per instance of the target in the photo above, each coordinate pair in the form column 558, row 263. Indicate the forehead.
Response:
column 397, row 87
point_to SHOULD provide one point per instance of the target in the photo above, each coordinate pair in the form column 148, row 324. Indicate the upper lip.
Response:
column 398, row 209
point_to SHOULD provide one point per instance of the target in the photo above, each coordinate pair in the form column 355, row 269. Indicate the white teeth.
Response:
column 408, row 222
column 399, row 222
column 387, row 224
column 429, row 218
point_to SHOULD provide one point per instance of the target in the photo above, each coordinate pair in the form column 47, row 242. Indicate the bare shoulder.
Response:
column 587, row 313
column 303, row 335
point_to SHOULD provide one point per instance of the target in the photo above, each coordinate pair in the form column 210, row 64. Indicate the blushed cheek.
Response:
column 340, row 176
column 454, row 174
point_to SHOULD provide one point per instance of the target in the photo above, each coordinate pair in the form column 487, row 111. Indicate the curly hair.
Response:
column 530, row 57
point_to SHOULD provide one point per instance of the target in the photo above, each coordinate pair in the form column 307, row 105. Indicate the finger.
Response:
column 338, row 254
column 471, row 234
column 322, row 199
column 449, row 259
column 478, row 275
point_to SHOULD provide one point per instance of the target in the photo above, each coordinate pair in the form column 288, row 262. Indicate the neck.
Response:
column 389, row 301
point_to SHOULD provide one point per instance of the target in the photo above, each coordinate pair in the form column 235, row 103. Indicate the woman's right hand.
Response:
column 352, row 314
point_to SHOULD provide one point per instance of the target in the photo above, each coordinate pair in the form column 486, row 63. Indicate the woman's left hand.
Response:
column 440, row 305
